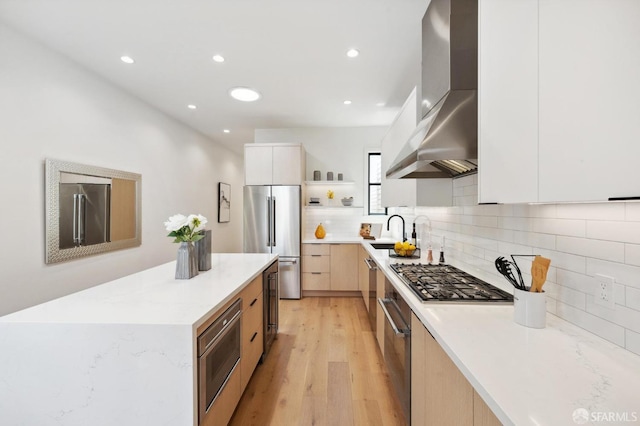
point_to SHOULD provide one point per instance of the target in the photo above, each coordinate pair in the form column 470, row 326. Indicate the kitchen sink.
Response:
column 382, row 246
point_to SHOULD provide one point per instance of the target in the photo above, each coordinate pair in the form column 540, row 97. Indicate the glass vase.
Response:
column 187, row 261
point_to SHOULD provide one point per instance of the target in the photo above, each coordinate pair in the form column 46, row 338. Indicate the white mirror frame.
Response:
column 54, row 253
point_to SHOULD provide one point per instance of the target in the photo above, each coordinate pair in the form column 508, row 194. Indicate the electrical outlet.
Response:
column 603, row 291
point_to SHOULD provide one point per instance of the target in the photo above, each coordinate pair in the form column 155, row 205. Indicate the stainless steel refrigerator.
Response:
column 84, row 214
column 272, row 225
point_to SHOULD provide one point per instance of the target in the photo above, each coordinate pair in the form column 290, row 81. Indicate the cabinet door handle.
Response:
column 253, row 337
column 316, row 255
column 316, row 273
column 254, row 301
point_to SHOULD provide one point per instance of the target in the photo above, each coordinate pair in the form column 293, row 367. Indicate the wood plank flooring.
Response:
column 325, row 368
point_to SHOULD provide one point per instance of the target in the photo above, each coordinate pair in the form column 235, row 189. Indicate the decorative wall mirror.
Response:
column 90, row 210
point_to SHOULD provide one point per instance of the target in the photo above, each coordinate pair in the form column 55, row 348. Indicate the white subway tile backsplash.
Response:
column 571, row 297
column 534, row 239
column 569, row 227
column 621, row 315
column 623, row 274
column 628, row 232
column 607, row 250
column 574, row 280
column 632, row 341
column 632, row 299
column 567, row 261
column 580, row 239
column 632, row 211
column 632, row 254
column 596, row 211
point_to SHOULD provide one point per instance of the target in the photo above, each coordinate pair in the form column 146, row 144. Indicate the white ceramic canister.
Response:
column 530, row 308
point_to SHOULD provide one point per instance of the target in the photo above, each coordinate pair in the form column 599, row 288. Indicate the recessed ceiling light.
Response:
column 347, row 102
column 127, row 59
column 244, row 94
column 227, row 131
column 191, row 106
column 352, row 53
column 218, row 58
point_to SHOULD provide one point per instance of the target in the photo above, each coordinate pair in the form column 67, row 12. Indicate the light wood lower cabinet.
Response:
column 344, row 269
column 440, row 394
column 252, row 330
column 316, row 267
column 330, row 267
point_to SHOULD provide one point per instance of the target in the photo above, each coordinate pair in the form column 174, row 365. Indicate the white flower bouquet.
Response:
column 185, row 228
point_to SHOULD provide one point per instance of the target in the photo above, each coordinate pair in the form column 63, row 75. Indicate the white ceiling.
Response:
column 292, row 51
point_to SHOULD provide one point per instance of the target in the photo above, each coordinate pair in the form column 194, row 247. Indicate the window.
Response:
column 374, row 184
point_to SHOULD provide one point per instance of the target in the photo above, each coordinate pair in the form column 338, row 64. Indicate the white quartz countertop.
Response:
column 531, row 376
column 344, row 240
column 153, row 296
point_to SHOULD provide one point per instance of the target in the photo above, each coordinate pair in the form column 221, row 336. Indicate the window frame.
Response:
column 370, row 184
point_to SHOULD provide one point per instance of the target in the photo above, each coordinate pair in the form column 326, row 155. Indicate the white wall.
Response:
column 51, row 108
column 580, row 239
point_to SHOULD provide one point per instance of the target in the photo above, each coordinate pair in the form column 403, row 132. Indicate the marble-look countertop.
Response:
column 121, row 353
column 531, row 376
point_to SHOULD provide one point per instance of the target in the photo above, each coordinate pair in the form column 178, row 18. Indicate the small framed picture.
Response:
column 224, row 202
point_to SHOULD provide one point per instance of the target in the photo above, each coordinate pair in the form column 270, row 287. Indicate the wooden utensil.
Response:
column 539, row 269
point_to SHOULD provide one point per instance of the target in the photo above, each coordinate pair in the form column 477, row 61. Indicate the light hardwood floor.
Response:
column 324, row 368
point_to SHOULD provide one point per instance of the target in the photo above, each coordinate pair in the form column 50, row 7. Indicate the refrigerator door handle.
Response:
column 292, row 261
column 75, row 219
column 268, row 221
column 81, row 225
column 274, row 222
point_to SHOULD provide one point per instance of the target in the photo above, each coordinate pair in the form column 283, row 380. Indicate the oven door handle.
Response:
column 394, row 327
column 221, row 334
column 368, row 262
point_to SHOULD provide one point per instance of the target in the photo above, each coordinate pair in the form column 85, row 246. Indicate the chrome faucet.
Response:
column 404, row 234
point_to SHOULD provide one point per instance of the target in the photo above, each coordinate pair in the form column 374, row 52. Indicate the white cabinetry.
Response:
column 589, row 91
column 409, row 192
column 508, row 101
column 274, row 164
column 558, row 100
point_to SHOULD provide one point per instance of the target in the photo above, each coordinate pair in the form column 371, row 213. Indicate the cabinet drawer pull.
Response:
column 254, row 336
column 316, row 255
column 254, row 301
column 316, row 273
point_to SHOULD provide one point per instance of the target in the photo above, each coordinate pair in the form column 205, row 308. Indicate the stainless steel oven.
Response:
column 397, row 345
column 218, row 356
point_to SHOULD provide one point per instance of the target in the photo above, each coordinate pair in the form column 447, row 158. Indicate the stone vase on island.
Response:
column 187, row 261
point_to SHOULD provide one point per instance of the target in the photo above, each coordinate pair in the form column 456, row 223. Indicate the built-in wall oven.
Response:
column 397, row 344
column 218, row 356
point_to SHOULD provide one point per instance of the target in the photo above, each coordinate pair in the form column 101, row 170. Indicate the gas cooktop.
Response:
column 445, row 283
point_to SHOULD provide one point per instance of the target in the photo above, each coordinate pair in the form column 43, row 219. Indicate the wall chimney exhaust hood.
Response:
column 445, row 142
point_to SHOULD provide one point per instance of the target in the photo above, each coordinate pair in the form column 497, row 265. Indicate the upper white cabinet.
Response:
column 558, row 107
column 589, row 99
column 508, row 101
column 409, row 192
column 274, row 164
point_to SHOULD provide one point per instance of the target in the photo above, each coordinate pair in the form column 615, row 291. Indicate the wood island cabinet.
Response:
column 440, row 394
column 252, row 330
column 363, row 275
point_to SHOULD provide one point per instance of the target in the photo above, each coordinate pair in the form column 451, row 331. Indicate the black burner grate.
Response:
column 445, row 283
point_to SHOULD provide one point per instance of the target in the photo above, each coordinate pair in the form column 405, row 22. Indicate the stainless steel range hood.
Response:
column 445, row 142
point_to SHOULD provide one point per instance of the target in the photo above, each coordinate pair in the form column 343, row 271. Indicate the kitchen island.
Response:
column 121, row 353
column 558, row 375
